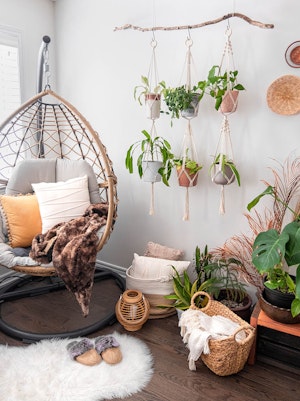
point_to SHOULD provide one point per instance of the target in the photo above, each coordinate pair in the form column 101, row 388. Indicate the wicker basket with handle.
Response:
column 227, row 356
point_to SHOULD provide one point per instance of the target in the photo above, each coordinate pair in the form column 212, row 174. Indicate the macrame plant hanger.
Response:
column 220, row 173
column 188, row 149
column 152, row 104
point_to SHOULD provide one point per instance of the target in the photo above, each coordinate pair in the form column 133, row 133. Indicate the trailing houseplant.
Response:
column 274, row 249
column 182, row 100
column 151, row 149
column 224, row 171
column 220, row 84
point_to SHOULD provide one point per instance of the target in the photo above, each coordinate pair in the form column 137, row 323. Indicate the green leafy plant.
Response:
column 218, row 84
column 140, row 91
column 182, row 98
column 273, row 248
column 151, row 149
column 212, row 277
column 188, row 163
column 225, row 162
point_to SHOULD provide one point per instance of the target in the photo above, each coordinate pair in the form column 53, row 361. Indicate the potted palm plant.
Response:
column 224, row 171
column 154, row 151
column 273, row 252
column 224, row 88
column 183, row 101
column 151, row 97
column 187, row 171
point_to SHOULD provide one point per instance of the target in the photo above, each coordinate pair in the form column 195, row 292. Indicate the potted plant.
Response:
column 220, row 278
column 153, row 151
column 224, row 171
column 187, row 171
column 273, row 252
column 183, row 101
column 224, row 88
column 151, row 97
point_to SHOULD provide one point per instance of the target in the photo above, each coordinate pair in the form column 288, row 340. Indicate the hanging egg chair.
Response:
column 48, row 129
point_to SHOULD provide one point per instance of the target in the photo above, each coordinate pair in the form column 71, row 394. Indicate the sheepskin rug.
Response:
column 44, row 371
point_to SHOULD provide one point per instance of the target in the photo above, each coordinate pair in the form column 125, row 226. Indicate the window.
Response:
column 10, row 87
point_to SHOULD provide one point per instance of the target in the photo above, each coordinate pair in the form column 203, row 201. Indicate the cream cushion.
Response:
column 61, row 201
column 145, row 267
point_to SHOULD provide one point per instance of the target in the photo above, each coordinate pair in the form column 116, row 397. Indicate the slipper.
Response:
column 84, row 352
column 109, row 349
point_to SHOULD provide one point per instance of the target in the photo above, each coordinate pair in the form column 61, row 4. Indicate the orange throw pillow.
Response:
column 23, row 219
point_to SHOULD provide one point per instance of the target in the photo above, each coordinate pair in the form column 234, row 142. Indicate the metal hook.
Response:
column 153, row 42
column 189, row 42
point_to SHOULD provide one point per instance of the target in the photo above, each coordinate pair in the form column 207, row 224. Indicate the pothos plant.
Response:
column 218, row 84
column 151, row 149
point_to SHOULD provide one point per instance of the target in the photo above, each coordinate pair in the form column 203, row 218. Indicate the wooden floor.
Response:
column 172, row 380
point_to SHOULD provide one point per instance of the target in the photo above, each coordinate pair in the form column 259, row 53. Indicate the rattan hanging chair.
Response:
column 48, row 127
column 41, row 128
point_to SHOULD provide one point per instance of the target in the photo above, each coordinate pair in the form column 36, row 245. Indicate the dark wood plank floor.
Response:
column 172, row 380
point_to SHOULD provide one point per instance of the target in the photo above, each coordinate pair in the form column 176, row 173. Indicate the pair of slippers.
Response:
column 91, row 352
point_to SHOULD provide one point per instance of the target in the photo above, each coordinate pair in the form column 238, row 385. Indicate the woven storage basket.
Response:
column 227, row 356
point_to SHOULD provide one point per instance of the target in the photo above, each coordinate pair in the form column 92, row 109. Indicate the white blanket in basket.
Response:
column 197, row 329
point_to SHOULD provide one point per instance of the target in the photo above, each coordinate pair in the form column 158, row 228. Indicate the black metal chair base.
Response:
column 10, row 293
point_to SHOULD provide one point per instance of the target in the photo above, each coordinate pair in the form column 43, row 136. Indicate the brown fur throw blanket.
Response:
column 72, row 248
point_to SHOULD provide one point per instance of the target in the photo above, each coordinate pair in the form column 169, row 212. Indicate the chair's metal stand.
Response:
column 11, row 293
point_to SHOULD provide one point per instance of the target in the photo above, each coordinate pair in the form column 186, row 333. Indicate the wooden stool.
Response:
column 283, row 338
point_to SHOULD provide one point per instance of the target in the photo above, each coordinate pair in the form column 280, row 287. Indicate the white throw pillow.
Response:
column 156, row 268
column 62, row 201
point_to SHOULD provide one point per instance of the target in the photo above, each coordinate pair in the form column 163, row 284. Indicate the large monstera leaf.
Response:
column 269, row 249
column 292, row 253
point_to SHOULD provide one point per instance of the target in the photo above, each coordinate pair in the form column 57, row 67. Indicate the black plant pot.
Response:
column 282, row 315
column 243, row 310
column 278, row 298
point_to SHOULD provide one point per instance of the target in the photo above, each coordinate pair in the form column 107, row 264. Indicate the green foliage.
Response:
column 151, row 149
column 218, row 84
column 182, row 98
column 224, row 161
column 271, row 249
column 140, row 91
column 192, row 165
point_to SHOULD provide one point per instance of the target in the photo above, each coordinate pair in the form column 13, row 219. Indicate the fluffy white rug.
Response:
column 45, row 372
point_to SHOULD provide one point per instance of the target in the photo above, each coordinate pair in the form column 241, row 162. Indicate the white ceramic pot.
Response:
column 152, row 103
column 150, row 171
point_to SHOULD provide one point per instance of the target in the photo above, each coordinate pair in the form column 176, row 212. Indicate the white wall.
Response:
column 33, row 19
column 98, row 68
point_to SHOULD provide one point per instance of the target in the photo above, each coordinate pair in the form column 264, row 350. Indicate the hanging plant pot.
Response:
column 191, row 111
column 220, row 177
column 152, row 102
column 229, row 102
column 185, row 178
column 150, row 170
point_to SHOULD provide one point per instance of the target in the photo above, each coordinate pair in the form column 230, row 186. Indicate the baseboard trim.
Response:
column 115, row 268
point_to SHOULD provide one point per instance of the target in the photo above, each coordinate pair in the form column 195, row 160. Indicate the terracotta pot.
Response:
column 150, row 171
column 229, row 102
column 152, row 102
column 185, row 179
column 220, row 178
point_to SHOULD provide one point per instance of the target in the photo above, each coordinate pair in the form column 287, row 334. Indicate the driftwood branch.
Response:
column 215, row 21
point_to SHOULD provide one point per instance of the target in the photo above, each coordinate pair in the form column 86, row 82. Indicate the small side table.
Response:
column 275, row 338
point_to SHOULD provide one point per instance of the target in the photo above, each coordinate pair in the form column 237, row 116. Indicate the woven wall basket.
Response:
column 283, row 95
